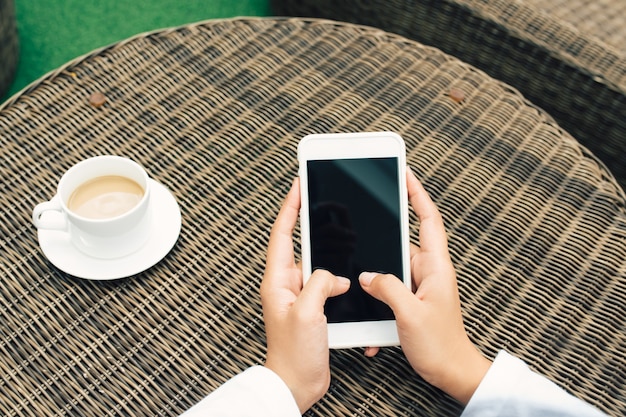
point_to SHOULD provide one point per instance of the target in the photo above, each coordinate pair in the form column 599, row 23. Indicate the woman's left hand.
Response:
column 295, row 324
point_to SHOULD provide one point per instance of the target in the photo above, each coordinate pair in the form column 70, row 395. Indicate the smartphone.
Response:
column 354, row 218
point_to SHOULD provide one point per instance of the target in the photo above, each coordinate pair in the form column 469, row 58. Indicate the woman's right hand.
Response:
column 430, row 323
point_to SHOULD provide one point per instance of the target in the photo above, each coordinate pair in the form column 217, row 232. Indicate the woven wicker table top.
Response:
column 214, row 111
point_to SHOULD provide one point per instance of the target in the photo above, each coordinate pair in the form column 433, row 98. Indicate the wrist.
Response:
column 305, row 393
column 465, row 374
column 304, row 398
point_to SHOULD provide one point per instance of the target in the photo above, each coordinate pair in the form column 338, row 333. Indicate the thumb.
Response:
column 387, row 288
column 321, row 285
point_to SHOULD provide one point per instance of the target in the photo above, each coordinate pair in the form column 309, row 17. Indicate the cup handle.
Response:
column 57, row 223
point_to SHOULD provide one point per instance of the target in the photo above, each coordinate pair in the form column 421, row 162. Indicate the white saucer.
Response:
column 166, row 224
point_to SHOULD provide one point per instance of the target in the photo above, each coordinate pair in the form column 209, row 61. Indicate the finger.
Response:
column 432, row 231
column 370, row 352
column 321, row 285
column 416, row 277
column 388, row 289
column 280, row 247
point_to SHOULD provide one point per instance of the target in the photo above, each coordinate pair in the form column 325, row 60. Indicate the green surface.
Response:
column 53, row 32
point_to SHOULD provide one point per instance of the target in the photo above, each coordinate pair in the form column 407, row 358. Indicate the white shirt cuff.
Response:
column 255, row 392
column 511, row 388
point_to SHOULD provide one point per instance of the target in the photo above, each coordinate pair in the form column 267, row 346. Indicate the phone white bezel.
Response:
column 351, row 146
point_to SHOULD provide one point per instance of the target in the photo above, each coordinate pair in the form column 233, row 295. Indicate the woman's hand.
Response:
column 430, row 324
column 295, row 324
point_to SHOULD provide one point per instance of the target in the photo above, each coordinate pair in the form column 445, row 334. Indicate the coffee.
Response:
column 105, row 197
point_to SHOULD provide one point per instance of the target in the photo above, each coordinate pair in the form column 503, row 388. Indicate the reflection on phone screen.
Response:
column 354, row 212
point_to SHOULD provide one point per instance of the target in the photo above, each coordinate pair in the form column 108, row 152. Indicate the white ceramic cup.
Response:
column 107, row 238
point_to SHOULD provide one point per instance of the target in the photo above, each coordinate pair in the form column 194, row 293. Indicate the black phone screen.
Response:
column 355, row 222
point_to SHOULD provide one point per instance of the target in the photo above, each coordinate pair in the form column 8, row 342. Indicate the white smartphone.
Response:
column 354, row 218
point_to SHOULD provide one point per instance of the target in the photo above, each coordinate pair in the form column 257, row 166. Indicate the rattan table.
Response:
column 214, row 112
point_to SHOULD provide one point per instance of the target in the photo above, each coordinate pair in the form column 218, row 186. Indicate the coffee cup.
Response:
column 102, row 204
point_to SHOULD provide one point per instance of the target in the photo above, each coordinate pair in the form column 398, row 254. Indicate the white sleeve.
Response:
column 255, row 392
column 511, row 389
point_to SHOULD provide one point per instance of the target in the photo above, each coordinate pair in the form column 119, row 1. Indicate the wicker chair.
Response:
column 567, row 57
column 8, row 45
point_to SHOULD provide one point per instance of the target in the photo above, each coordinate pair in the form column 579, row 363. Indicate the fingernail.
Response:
column 343, row 280
column 366, row 277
